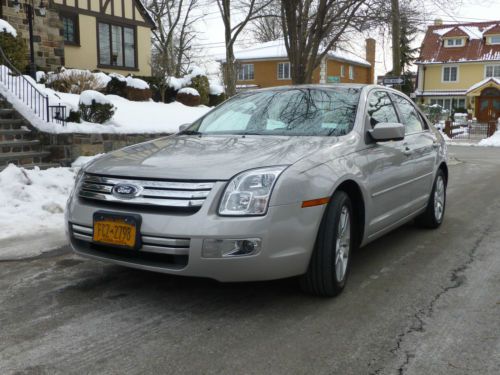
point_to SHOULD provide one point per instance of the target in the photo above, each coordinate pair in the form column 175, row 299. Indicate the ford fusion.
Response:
column 273, row 183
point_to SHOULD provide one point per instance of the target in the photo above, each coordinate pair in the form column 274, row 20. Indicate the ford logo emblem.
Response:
column 126, row 191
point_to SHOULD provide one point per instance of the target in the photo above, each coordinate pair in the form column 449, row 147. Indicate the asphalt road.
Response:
column 417, row 302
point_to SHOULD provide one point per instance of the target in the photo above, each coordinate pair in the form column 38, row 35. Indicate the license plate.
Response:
column 116, row 230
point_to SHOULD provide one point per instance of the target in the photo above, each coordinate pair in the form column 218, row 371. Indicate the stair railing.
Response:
column 26, row 91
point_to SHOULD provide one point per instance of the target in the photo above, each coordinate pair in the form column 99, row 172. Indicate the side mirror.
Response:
column 184, row 127
column 387, row 131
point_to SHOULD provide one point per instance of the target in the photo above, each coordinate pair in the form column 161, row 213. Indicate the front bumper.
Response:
column 174, row 240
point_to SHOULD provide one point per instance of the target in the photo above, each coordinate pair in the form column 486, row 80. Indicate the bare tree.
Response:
column 313, row 27
column 268, row 27
column 172, row 38
column 248, row 10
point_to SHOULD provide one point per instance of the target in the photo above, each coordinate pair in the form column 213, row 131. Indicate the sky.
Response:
column 210, row 43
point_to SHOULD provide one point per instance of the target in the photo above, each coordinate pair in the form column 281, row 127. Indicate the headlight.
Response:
column 249, row 192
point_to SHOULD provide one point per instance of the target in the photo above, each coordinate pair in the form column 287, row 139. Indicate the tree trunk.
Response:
column 396, row 39
column 230, row 72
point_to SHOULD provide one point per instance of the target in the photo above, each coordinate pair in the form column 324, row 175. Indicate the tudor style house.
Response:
column 267, row 65
column 459, row 67
column 109, row 35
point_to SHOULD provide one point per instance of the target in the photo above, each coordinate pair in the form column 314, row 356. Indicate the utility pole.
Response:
column 396, row 39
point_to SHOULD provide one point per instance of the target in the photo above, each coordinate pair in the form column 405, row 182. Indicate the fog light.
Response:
column 218, row 248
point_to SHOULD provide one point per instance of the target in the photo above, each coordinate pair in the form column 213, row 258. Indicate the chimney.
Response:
column 370, row 57
column 438, row 22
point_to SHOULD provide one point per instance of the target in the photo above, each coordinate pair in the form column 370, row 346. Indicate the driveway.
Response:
column 417, row 302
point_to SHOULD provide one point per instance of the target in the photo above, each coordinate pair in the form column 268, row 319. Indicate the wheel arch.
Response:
column 353, row 190
column 444, row 168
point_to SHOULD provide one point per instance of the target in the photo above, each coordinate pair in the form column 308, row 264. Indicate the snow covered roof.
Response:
column 475, row 49
column 484, row 82
column 276, row 50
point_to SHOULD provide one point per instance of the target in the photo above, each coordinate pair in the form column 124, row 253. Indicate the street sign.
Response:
column 393, row 81
column 333, row 79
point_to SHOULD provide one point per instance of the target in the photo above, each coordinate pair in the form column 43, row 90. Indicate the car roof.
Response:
column 320, row 86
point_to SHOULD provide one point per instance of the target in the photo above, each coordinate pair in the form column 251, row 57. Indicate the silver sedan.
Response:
column 273, row 183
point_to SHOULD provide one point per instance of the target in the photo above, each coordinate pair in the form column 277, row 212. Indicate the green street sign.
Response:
column 333, row 79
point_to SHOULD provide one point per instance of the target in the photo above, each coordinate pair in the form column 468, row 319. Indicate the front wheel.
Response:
column 433, row 215
column 330, row 262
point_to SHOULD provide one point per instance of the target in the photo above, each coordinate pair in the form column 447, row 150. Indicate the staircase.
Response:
column 17, row 143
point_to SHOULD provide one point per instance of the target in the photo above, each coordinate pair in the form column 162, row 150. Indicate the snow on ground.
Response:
column 32, row 204
column 494, row 140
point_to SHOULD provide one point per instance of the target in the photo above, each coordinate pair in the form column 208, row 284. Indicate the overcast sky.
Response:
column 211, row 31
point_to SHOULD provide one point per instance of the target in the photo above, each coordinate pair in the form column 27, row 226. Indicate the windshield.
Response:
column 298, row 111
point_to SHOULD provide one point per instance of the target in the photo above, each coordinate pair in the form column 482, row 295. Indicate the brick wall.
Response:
column 47, row 34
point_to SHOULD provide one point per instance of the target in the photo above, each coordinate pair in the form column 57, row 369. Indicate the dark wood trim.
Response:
column 105, row 7
column 133, row 11
column 106, row 17
column 89, row 5
column 123, row 8
column 136, row 49
column 113, row 8
column 76, row 20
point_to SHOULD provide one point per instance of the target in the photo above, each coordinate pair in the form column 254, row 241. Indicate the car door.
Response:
column 386, row 167
column 421, row 148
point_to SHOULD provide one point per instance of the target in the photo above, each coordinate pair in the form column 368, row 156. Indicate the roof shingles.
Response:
column 475, row 49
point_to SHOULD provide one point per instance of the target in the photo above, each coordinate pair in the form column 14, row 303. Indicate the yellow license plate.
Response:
column 115, row 231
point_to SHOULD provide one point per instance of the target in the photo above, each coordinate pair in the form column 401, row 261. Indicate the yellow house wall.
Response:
column 85, row 55
column 361, row 74
column 468, row 75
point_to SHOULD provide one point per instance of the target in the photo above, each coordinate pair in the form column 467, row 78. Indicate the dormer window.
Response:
column 454, row 42
column 494, row 39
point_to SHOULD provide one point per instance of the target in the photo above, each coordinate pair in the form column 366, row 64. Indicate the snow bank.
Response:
column 89, row 96
column 6, row 27
column 494, row 140
column 32, row 203
column 189, row 91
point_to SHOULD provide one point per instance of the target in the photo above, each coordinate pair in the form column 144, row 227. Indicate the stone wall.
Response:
column 65, row 148
column 47, row 34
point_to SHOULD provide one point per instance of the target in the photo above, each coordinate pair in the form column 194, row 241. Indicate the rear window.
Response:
column 298, row 111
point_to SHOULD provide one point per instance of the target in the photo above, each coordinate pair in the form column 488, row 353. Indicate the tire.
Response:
column 330, row 262
column 433, row 215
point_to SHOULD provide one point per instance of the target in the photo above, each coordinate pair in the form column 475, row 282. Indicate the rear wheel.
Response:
column 434, row 213
column 329, row 265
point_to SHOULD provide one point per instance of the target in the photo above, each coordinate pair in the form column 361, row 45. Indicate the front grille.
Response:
column 150, row 193
column 155, row 251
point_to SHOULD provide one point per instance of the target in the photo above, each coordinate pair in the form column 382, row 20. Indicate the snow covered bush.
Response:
column 75, row 81
column 217, row 95
column 129, row 87
column 74, row 116
column 116, row 86
column 13, row 46
column 200, row 83
column 188, row 96
column 95, row 107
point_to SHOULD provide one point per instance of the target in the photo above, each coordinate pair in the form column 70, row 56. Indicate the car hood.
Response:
column 206, row 157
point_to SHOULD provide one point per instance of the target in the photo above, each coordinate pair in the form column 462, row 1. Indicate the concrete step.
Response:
column 32, row 166
column 7, row 112
column 13, row 134
column 11, row 121
column 20, row 158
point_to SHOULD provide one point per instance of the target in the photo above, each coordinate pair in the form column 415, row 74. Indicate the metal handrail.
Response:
column 28, row 93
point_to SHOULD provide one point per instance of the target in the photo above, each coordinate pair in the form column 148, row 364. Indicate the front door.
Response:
column 488, row 105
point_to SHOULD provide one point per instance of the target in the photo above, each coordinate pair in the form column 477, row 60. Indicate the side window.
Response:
column 409, row 115
column 380, row 108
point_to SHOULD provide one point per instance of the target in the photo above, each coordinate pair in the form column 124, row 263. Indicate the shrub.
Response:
column 116, row 87
column 170, row 94
column 74, row 81
column 215, row 100
column 188, row 97
column 95, row 107
column 74, row 116
column 200, row 83
column 15, row 49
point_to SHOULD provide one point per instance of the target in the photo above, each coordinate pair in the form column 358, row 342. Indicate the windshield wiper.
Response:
column 189, row 132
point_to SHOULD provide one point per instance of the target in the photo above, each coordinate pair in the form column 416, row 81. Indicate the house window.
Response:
column 284, row 70
column 455, row 42
column 449, row 104
column 246, row 72
column 450, row 74
column 342, row 71
column 116, row 45
column 351, row 72
column 493, row 71
column 70, row 28
column 495, row 39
